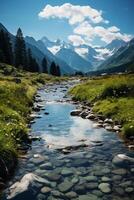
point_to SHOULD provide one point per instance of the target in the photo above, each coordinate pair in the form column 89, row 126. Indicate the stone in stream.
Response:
column 105, row 187
column 41, row 197
column 65, row 186
column 92, row 185
column 47, row 166
column 122, row 160
column 90, row 116
column 52, row 176
column 91, row 178
column 129, row 189
column 88, row 197
column 71, row 195
column 75, row 112
column 27, row 187
column 46, row 190
column 119, row 171
column 66, row 172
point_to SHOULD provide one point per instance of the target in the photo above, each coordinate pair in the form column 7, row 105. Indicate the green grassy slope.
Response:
column 111, row 96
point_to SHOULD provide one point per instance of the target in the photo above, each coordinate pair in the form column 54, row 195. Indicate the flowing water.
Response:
column 86, row 173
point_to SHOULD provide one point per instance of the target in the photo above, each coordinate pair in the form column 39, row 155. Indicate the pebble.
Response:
column 46, row 190
column 105, row 187
column 65, row 186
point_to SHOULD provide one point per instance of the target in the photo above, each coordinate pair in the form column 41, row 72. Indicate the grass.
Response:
column 17, row 89
column 111, row 96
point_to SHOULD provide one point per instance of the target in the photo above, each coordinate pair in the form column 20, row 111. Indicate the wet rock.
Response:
column 46, row 190
column 66, row 172
column 129, row 189
column 90, row 116
column 88, row 197
column 84, row 114
column 91, row 185
column 37, row 161
column 105, row 179
column 33, row 116
column 97, row 125
column 119, row 191
column 46, row 113
column 120, row 171
column 65, row 186
column 126, row 184
column 105, row 187
column 109, row 128
column 47, row 166
column 41, row 197
column 71, row 195
column 122, row 160
column 109, row 121
column 27, row 187
column 80, row 162
column 116, row 128
column 80, row 189
column 52, row 176
column 116, row 178
column 91, row 178
column 98, row 193
column 75, row 112
column 75, row 180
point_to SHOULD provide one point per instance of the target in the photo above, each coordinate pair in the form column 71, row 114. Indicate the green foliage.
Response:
column 44, row 65
column 111, row 96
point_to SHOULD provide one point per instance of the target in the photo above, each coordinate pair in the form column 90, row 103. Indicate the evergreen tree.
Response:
column 58, row 71
column 20, row 50
column 6, row 54
column 53, row 69
column 32, row 63
column 44, row 65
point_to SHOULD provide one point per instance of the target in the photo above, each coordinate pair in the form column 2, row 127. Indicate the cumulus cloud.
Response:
column 76, row 40
column 73, row 13
column 105, row 34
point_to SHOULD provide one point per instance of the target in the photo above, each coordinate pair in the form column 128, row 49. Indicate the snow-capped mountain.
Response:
column 74, row 60
column 65, row 68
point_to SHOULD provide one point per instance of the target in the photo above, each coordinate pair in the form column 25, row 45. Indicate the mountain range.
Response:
column 83, row 58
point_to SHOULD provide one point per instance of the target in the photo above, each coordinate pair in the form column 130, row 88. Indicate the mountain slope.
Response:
column 65, row 69
column 124, row 56
column 74, row 60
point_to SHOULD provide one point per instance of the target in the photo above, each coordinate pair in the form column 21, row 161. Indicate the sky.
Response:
column 94, row 22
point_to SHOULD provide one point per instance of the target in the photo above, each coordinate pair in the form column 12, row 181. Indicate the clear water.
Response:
column 58, row 129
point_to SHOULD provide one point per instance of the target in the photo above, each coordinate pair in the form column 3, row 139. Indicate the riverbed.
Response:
column 76, row 157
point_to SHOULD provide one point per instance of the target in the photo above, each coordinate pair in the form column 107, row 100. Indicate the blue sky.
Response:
column 24, row 14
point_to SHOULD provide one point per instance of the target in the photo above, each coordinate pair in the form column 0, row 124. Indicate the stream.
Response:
column 88, row 171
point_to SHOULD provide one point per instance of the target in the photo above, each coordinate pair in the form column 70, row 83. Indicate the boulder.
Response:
column 75, row 112
column 90, row 116
column 122, row 160
column 27, row 187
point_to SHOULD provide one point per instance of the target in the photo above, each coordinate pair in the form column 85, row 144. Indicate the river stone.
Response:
column 66, row 172
column 37, row 161
column 120, row 171
column 129, row 189
column 75, row 180
column 105, row 179
column 126, row 184
column 80, row 189
column 122, row 160
column 80, row 162
column 46, row 190
column 88, row 197
column 27, row 187
column 65, row 186
column 91, row 185
column 75, row 112
column 71, row 195
column 52, row 176
column 47, row 166
column 91, row 178
column 98, row 193
column 41, row 197
column 116, row 177
column 105, row 187
column 119, row 190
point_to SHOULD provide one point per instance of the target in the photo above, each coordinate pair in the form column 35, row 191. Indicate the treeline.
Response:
column 21, row 57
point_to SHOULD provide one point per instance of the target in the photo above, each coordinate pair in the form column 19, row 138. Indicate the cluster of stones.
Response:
column 87, row 113
column 75, row 177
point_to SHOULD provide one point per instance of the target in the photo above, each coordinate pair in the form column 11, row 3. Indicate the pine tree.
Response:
column 6, row 54
column 58, row 71
column 44, row 65
column 53, row 69
column 20, row 50
column 32, row 63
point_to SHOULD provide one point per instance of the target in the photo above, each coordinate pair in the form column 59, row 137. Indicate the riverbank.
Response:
column 17, row 93
column 111, row 97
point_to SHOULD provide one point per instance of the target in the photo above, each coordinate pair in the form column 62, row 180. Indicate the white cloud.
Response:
column 76, row 40
column 74, row 13
column 105, row 34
